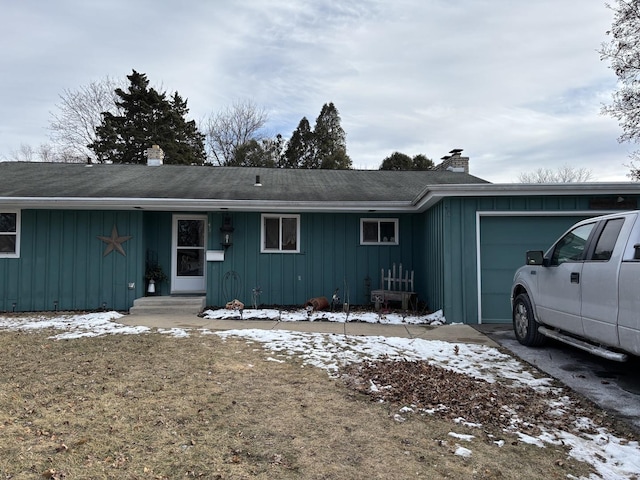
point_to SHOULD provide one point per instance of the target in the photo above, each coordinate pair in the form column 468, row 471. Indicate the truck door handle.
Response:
column 575, row 277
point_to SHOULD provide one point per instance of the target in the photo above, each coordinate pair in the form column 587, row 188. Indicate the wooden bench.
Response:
column 394, row 288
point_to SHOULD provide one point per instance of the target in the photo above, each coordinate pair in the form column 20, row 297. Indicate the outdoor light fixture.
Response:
column 226, row 232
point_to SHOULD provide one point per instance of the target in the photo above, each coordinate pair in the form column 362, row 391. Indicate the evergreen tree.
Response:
column 250, row 154
column 421, row 162
column 300, row 151
column 146, row 117
column 401, row 161
column 330, row 140
column 397, row 161
column 253, row 153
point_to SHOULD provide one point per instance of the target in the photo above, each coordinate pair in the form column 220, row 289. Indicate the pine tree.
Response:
column 330, row 140
column 397, row 161
column 421, row 162
column 402, row 161
column 148, row 118
column 300, row 152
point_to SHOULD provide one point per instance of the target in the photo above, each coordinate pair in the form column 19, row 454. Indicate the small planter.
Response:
column 154, row 276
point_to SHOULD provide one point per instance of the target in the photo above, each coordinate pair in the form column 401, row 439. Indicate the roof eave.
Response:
column 164, row 204
column 432, row 194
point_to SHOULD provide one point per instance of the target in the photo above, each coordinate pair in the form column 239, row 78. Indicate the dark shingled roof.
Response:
column 68, row 180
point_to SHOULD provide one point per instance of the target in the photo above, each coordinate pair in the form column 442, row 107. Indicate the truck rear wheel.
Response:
column 524, row 325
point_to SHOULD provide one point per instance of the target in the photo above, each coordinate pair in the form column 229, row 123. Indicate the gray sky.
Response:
column 517, row 84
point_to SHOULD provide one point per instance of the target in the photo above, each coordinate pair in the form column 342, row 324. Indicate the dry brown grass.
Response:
column 156, row 407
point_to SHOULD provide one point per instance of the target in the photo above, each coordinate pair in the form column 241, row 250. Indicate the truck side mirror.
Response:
column 535, row 257
column 636, row 253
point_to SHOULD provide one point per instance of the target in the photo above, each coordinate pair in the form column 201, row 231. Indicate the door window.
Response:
column 570, row 248
column 190, row 248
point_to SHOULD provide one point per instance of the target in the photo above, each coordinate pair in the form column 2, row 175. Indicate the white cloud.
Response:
column 518, row 85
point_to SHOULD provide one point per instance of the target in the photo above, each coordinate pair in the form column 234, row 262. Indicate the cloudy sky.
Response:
column 517, row 84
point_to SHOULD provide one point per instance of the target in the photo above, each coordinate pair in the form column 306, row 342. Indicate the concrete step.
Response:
column 168, row 305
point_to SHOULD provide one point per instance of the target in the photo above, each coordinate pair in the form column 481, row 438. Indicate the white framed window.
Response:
column 378, row 231
column 280, row 233
column 9, row 234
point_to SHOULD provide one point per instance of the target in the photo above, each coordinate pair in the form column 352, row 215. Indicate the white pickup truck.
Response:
column 585, row 290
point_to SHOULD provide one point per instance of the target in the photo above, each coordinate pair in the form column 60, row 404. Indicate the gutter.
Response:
column 199, row 205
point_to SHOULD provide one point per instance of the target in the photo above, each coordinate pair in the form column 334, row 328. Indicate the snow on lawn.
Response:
column 611, row 457
column 302, row 315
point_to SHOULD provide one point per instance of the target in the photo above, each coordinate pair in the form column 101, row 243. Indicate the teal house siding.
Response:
column 451, row 263
column 434, row 235
column 62, row 267
column 157, row 246
column 330, row 258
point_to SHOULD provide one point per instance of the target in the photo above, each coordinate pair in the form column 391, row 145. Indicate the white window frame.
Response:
column 395, row 221
column 280, row 217
column 15, row 254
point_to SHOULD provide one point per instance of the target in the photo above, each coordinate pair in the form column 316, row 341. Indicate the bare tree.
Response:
column 25, row 153
column 232, row 127
column 623, row 54
column 44, row 153
column 79, row 113
column 563, row 174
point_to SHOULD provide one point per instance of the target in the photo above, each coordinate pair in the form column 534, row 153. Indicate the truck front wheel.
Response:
column 524, row 325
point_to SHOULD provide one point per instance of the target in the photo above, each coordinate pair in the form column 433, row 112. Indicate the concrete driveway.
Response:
column 613, row 386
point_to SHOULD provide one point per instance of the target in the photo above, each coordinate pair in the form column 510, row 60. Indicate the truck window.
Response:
column 571, row 246
column 608, row 239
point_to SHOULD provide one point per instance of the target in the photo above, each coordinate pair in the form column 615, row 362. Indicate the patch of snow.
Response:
column 74, row 326
column 462, row 436
column 303, row 315
column 174, row 332
column 399, row 418
column 462, row 421
column 271, row 359
column 462, row 452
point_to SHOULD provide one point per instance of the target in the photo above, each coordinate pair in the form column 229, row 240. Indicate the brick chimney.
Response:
column 155, row 155
column 454, row 162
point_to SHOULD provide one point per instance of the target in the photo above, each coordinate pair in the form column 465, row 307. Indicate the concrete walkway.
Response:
column 458, row 333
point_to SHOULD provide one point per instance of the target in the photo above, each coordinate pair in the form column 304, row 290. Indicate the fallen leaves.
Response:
column 450, row 394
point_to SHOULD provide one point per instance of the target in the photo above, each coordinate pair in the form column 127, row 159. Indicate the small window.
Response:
column 379, row 231
column 608, row 239
column 570, row 248
column 9, row 234
column 280, row 233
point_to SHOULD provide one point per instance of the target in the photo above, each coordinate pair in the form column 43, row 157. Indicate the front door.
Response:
column 188, row 254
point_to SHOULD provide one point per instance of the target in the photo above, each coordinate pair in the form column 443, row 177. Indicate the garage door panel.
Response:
column 493, row 311
column 504, row 241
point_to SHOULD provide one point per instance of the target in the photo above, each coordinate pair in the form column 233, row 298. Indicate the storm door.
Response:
column 189, row 254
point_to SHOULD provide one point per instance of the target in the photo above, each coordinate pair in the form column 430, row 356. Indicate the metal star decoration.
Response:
column 114, row 242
